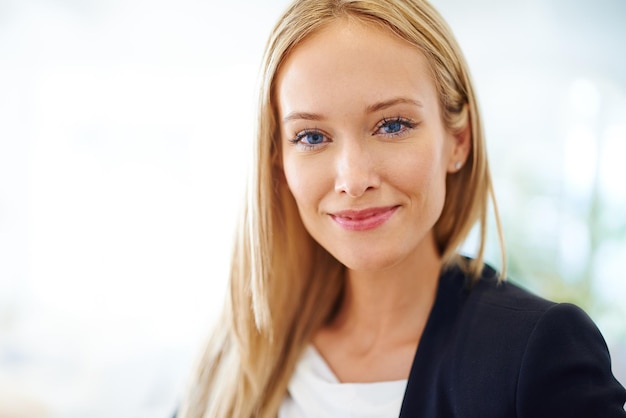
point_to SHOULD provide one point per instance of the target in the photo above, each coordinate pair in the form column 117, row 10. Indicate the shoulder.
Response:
column 488, row 305
column 487, row 322
column 566, row 369
column 488, row 291
column 507, row 311
column 494, row 349
column 553, row 355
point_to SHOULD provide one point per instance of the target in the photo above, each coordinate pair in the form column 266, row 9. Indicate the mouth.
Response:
column 364, row 219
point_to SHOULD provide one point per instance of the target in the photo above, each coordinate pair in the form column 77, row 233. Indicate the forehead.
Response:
column 350, row 62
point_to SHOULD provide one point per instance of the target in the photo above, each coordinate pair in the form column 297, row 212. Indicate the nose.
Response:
column 356, row 169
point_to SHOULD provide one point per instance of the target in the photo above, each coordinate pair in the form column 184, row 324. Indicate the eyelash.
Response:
column 406, row 125
column 297, row 140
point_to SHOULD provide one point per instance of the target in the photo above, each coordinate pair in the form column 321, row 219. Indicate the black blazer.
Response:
column 495, row 350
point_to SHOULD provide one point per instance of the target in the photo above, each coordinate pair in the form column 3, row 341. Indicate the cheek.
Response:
column 304, row 183
column 417, row 172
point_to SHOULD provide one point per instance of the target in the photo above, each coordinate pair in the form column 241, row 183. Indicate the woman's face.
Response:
column 364, row 150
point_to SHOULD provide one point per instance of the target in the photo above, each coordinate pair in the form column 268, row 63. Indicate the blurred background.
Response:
column 124, row 133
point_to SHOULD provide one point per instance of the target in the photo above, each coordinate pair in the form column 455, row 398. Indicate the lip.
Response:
column 363, row 219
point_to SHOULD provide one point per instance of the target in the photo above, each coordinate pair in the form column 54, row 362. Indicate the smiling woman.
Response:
column 378, row 164
column 348, row 295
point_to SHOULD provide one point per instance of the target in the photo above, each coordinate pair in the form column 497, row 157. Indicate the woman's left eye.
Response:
column 394, row 127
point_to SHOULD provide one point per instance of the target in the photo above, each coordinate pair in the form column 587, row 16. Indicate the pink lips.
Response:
column 363, row 220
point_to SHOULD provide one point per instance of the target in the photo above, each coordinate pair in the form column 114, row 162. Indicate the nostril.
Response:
column 356, row 170
column 355, row 184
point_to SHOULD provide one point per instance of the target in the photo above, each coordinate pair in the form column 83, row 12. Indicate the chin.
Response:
column 367, row 262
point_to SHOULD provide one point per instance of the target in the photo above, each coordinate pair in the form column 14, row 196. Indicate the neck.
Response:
column 390, row 305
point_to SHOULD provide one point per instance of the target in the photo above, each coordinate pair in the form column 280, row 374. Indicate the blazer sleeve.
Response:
column 566, row 369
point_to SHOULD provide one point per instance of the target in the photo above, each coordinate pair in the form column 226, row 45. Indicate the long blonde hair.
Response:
column 283, row 285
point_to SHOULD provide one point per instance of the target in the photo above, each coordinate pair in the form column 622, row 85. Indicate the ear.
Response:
column 461, row 145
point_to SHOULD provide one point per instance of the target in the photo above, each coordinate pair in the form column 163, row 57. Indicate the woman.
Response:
column 347, row 295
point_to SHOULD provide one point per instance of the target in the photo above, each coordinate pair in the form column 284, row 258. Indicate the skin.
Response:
column 361, row 128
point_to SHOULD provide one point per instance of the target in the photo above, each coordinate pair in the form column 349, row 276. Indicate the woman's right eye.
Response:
column 310, row 139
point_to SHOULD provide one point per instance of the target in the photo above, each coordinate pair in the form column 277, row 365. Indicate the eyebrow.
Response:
column 392, row 102
column 302, row 116
column 370, row 109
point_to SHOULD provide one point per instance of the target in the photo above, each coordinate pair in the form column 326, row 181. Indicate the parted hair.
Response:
column 283, row 286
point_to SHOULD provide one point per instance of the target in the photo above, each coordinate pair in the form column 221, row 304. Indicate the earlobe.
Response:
column 461, row 148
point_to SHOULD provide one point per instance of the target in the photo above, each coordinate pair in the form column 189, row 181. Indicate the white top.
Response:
column 315, row 392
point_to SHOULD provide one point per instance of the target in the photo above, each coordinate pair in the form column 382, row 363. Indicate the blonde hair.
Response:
column 283, row 285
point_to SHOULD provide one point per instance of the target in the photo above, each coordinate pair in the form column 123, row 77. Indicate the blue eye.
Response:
column 312, row 138
column 392, row 127
column 309, row 139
